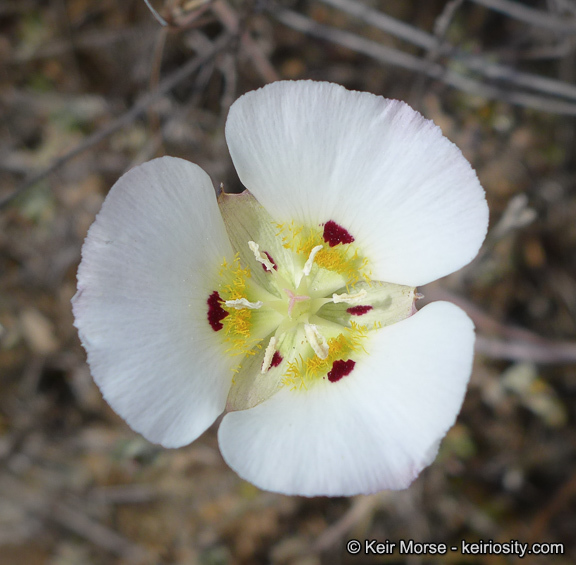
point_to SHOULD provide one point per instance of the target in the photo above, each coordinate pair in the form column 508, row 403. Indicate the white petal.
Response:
column 148, row 266
column 374, row 429
column 313, row 152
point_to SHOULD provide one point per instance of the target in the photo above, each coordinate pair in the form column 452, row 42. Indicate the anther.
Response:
column 316, row 340
column 349, row 298
column 310, row 262
column 260, row 257
column 269, row 354
column 241, row 303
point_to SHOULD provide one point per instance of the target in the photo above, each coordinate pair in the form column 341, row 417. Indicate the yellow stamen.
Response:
column 342, row 259
column 302, row 372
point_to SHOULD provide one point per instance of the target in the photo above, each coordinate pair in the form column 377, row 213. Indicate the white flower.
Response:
column 268, row 306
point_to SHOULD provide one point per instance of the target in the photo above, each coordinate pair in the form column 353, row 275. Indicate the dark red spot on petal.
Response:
column 276, row 359
column 340, row 369
column 271, row 261
column 359, row 310
column 215, row 311
column 335, row 234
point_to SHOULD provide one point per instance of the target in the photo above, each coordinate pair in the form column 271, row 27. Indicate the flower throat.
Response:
column 297, row 303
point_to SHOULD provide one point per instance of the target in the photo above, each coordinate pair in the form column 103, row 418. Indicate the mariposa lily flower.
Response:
column 291, row 306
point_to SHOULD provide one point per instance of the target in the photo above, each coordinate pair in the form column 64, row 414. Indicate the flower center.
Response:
column 297, row 303
column 283, row 321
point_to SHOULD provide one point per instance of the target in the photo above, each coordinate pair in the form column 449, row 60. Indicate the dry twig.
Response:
column 433, row 43
column 563, row 497
column 536, row 18
column 362, row 507
column 156, row 15
column 47, row 507
column 441, row 25
column 436, row 71
column 98, row 534
column 170, row 82
column 512, row 343
column 231, row 22
column 384, row 22
column 537, row 350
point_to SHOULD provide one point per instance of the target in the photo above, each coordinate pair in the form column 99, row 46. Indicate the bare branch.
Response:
column 508, row 74
column 546, row 351
column 158, row 17
column 441, row 26
column 437, row 71
column 98, row 534
column 99, row 39
column 444, row 20
column 536, row 18
column 231, row 21
column 386, row 23
column 48, row 506
column 352, row 41
column 139, row 107
column 432, row 43
column 361, row 507
column 501, row 341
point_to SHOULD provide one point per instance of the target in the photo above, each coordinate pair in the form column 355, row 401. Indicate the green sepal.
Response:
column 390, row 303
column 246, row 220
column 250, row 386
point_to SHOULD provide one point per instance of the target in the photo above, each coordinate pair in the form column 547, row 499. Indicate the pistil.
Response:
column 293, row 299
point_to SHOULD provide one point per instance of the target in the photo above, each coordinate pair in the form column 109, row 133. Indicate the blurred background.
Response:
column 90, row 88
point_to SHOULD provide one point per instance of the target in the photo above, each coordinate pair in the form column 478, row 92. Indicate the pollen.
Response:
column 303, row 372
column 321, row 350
column 237, row 325
column 340, row 256
column 235, row 276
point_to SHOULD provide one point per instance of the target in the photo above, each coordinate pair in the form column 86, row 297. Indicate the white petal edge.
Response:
column 314, row 151
column 148, row 264
column 375, row 429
